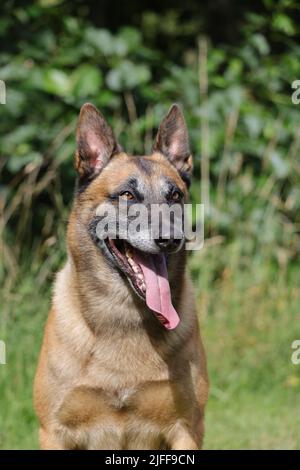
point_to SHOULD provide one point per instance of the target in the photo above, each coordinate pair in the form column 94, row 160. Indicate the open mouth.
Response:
column 122, row 254
column 148, row 275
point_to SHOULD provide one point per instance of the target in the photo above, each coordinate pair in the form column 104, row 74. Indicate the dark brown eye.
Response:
column 176, row 196
column 127, row 195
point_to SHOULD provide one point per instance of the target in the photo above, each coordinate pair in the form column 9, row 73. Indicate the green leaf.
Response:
column 127, row 75
column 260, row 43
column 57, row 82
column 86, row 81
column 284, row 24
column 280, row 166
column 15, row 163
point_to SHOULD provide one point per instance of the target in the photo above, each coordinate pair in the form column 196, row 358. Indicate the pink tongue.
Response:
column 158, row 294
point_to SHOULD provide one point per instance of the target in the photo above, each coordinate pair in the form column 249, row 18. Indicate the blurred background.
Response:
column 230, row 64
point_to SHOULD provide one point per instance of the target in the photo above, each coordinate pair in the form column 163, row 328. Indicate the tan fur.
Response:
column 108, row 377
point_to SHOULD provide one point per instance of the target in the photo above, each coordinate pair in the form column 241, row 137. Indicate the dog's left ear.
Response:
column 96, row 143
column 172, row 140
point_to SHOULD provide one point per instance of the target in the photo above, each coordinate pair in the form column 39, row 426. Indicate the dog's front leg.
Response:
column 48, row 441
column 179, row 438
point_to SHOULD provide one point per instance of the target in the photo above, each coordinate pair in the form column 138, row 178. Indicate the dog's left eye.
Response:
column 176, row 196
column 127, row 195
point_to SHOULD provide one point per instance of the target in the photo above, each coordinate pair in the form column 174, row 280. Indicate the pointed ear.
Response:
column 172, row 140
column 95, row 142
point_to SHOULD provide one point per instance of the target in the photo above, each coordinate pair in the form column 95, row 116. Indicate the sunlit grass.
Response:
column 249, row 317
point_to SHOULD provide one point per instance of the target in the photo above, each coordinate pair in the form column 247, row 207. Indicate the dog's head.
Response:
column 134, row 204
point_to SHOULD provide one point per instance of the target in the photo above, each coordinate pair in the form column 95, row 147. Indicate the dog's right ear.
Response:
column 96, row 143
column 172, row 140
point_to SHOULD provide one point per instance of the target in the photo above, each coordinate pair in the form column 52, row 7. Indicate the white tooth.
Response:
column 128, row 250
column 143, row 286
column 135, row 268
column 140, row 276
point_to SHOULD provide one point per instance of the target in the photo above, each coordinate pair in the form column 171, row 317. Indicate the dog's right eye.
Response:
column 127, row 195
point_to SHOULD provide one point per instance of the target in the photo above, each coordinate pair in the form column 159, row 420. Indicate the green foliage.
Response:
column 59, row 61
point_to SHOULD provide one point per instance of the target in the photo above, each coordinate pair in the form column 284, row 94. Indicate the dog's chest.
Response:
column 126, row 418
column 120, row 396
column 121, row 365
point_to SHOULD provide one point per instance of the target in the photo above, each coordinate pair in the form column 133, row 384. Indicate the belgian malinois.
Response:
column 122, row 364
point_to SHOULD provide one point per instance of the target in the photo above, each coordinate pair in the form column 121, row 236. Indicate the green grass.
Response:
column 249, row 318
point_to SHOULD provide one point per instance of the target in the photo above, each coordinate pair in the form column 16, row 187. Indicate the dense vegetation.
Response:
column 230, row 65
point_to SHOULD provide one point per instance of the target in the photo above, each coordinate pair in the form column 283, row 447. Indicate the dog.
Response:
column 122, row 365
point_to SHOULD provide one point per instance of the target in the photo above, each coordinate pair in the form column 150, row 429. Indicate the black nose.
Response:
column 167, row 244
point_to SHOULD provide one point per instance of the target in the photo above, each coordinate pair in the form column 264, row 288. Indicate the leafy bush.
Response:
column 236, row 98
